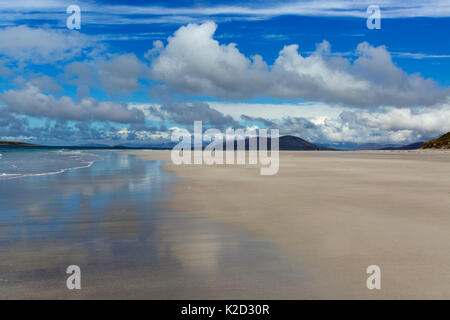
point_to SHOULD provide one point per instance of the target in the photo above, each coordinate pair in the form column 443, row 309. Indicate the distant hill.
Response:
column 296, row 143
column 412, row 146
column 286, row 143
column 442, row 142
column 13, row 143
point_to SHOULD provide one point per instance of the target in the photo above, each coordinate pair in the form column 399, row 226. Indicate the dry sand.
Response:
column 336, row 213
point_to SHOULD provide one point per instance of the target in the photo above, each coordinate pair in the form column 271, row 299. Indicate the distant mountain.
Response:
column 13, row 143
column 442, row 142
column 286, row 143
column 296, row 143
column 412, row 146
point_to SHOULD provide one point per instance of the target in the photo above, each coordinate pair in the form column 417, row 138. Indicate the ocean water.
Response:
column 17, row 162
column 110, row 217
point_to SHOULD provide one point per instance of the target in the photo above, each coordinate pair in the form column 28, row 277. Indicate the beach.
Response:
column 141, row 227
column 110, row 218
column 335, row 214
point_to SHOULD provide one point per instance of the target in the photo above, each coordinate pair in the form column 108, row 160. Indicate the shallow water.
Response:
column 16, row 162
column 109, row 219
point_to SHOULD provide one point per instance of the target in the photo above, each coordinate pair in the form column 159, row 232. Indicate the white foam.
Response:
column 12, row 176
column 5, row 176
column 74, row 154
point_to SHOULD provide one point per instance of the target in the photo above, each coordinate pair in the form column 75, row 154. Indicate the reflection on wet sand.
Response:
column 109, row 220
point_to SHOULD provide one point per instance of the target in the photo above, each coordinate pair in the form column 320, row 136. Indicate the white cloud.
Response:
column 121, row 73
column 329, row 8
column 46, row 84
column 32, row 102
column 78, row 73
column 39, row 45
column 426, row 120
column 420, row 56
column 323, row 123
column 333, row 131
column 308, row 110
column 193, row 62
column 187, row 113
column 117, row 74
column 143, row 135
column 150, row 13
column 123, row 133
column 17, row 138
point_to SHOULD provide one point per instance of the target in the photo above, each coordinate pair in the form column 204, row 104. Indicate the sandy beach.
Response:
column 336, row 213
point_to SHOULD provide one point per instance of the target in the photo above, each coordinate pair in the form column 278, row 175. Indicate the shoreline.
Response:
column 336, row 213
column 112, row 221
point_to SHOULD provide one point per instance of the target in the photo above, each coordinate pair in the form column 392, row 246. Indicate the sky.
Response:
column 136, row 71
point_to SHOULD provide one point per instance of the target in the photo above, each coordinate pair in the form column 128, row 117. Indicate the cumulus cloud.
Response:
column 11, row 124
column 297, row 126
column 392, row 126
column 371, row 80
column 43, row 82
column 39, row 45
column 117, row 74
column 186, row 113
column 347, row 125
column 56, row 131
column 32, row 102
column 425, row 121
column 121, row 73
column 193, row 62
column 148, row 135
column 78, row 73
column 46, row 84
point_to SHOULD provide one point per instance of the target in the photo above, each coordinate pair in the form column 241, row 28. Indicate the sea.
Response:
column 16, row 162
column 109, row 214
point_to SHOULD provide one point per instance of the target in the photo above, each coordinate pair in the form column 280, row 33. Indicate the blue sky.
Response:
column 137, row 70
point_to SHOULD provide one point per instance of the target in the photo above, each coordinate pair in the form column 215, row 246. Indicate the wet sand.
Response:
column 336, row 213
column 112, row 221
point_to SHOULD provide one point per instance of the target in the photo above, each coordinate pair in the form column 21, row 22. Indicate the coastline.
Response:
column 112, row 221
column 336, row 213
